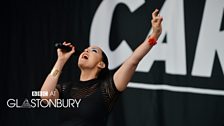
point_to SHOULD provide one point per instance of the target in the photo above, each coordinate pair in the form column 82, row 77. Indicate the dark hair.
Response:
column 105, row 71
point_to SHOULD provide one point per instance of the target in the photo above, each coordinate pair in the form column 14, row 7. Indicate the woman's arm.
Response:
column 124, row 74
column 52, row 79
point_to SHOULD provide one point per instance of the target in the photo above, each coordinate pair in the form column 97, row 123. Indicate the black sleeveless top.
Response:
column 97, row 100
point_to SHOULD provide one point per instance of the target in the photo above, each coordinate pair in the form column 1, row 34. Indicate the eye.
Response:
column 95, row 50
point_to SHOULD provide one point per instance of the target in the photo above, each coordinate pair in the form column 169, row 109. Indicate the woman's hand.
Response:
column 156, row 24
column 63, row 55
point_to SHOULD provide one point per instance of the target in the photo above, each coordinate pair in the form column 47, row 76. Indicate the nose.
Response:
column 86, row 50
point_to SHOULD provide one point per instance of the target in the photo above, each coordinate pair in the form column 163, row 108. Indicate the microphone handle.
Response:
column 67, row 48
column 63, row 47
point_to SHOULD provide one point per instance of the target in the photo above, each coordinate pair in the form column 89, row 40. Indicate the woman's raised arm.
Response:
column 124, row 74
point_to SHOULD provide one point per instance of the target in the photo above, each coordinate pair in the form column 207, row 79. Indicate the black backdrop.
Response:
column 32, row 27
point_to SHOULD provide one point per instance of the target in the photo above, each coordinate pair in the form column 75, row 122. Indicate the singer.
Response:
column 97, row 88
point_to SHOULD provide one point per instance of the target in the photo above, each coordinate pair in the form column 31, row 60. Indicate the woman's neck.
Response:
column 87, row 75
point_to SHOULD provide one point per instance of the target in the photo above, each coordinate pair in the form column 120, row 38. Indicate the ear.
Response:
column 101, row 65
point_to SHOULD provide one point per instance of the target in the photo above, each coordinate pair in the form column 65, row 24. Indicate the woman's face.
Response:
column 90, row 57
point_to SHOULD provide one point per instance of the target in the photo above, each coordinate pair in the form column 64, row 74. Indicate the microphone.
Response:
column 67, row 48
column 63, row 47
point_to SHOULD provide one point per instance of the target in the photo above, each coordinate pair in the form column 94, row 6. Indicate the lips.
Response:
column 85, row 56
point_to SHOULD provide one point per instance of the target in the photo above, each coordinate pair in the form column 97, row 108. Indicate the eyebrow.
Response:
column 95, row 48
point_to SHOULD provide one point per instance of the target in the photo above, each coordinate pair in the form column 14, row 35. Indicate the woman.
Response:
column 97, row 89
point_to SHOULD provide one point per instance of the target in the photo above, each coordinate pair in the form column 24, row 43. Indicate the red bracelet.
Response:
column 152, row 41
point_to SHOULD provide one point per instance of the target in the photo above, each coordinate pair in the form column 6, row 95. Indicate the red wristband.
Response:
column 152, row 41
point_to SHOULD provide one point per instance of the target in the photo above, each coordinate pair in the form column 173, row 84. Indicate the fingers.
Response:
column 160, row 19
column 155, row 13
column 156, row 17
column 70, row 45
column 67, row 44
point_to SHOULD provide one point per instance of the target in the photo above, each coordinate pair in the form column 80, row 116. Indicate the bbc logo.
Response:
column 39, row 93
